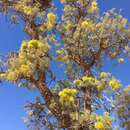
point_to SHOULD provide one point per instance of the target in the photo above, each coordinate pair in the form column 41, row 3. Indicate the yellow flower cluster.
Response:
column 11, row 76
column 74, row 115
column 60, row 52
column 61, row 56
column 88, row 25
column 114, row 84
column 78, row 82
column 68, row 26
column 103, row 75
column 23, row 6
column 93, row 7
column 86, row 80
column 100, row 86
column 99, row 125
column 51, row 19
column 23, row 70
column 89, row 80
column 84, row 24
column 103, row 122
column 8, row 76
column 34, row 45
column 31, row 56
column 28, row 10
column 67, row 96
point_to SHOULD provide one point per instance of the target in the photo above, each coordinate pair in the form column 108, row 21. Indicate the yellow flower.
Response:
column 113, row 54
column 24, row 45
column 71, row 99
column 103, row 75
column 85, row 78
column 77, row 82
column 21, row 56
column 62, row 56
column 73, row 92
column 30, row 46
column 25, row 70
column 59, row 58
column 88, row 79
column 68, row 27
column 30, row 113
column 3, row 75
column 43, row 46
column 114, row 84
column 100, row 86
column 24, row 65
column 89, row 25
column 84, row 24
column 51, row 17
column 94, row 5
column 99, row 125
column 74, row 115
column 41, row 29
column 67, row 96
column 49, row 25
column 66, row 90
column 28, row 10
column 60, row 52
column 62, row 94
column 33, row 43
column 11, row 76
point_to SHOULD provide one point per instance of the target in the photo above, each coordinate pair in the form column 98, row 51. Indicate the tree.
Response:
column 78, row 41
column 123, row 109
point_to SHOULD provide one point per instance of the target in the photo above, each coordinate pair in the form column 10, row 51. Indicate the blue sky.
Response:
column 12, row 98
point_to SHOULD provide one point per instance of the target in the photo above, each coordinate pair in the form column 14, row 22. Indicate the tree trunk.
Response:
column 88, row 97
column 56, row 109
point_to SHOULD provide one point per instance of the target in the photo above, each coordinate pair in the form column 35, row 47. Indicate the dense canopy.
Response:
column 78, row 40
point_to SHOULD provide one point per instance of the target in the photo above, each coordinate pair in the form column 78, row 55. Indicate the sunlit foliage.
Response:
column 78, row 40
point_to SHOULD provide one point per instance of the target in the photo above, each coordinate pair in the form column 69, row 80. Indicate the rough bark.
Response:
column 88, row 100
column 64, row 119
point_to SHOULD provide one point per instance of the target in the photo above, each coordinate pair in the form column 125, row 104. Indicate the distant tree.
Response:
column 77, row 40
column 123, row 108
